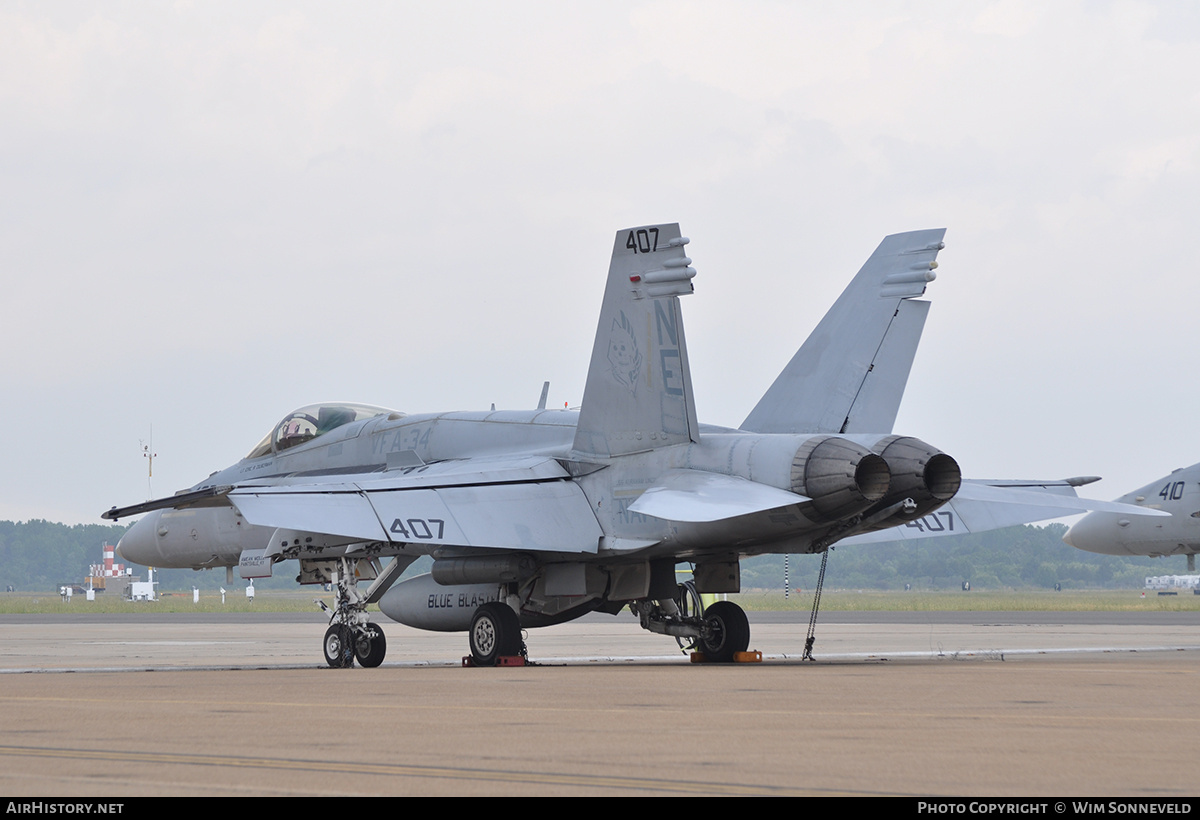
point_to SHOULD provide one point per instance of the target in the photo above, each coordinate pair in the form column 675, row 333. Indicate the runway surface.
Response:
column 959, row 704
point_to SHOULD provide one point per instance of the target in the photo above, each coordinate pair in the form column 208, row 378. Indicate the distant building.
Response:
column 109, row 577
column 1173, row 582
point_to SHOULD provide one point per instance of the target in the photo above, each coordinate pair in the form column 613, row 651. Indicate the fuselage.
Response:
column 217, row 535
column 1120, row 534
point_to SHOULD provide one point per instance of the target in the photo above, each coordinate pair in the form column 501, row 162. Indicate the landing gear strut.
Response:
column 689, row 603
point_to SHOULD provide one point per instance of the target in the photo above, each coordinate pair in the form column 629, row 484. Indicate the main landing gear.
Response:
column 495, row 633
column 718, row 632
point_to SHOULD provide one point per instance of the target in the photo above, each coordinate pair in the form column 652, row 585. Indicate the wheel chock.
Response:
column 468, row 662
column 750, row 656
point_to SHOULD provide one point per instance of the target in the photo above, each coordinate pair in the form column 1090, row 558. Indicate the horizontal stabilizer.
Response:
column 980, row 506
column 696, row 495
column 1006, row 493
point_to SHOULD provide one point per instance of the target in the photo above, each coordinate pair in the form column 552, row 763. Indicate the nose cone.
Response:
column 139, row 545
column 1096, row 532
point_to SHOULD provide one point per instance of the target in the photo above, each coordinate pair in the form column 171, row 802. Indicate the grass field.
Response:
column 866, row 600
column 833, row 600
column 13, row 603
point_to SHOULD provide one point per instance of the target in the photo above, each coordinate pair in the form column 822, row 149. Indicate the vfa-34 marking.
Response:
column 536, row 517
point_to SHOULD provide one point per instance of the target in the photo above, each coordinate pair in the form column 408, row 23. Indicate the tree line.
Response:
column 1024, row 557
column 38, row 555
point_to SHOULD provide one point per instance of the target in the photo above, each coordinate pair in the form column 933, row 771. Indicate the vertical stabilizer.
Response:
column 639, row 388
column 849, row 375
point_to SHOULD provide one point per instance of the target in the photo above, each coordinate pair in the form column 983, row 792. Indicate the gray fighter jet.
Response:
column 534, row 518
column 1114, row 533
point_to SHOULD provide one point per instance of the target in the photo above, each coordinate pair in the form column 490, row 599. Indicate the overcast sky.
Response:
column 212, row 213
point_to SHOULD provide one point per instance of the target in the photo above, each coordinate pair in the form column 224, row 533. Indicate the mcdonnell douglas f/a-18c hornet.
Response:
column 535, row 518
column 1121, row 534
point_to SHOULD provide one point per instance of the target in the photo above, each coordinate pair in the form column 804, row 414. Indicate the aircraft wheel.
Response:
column 370, row 646
column 495, row 632
column 339, row 646
column 728, row 632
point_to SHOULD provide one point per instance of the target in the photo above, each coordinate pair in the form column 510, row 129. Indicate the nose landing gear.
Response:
column 351, row 636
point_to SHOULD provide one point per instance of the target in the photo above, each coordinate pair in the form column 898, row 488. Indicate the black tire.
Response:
column 339, row 646
column 370, row 646
column 728, row 632
column 495, row 633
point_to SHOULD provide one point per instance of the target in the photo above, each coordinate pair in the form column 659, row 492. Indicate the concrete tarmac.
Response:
column 954, row 704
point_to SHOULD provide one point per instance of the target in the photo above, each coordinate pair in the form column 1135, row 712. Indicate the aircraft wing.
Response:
column 982, row 505
column 523, row 504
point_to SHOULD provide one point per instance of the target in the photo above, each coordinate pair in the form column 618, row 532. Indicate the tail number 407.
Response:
column 643, row 240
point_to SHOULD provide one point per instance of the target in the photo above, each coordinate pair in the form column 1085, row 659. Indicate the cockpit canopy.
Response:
column 314, row 420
